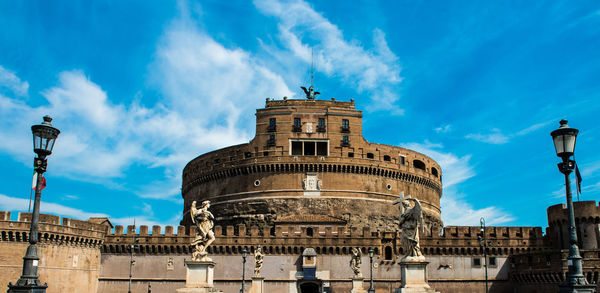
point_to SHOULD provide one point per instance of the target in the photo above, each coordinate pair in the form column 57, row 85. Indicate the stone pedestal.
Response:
column 199, row 277
column 414, row 276
column 258, row 285
column 357, row 285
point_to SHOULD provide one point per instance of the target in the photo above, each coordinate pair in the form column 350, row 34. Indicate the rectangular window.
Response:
column 402, row 160
column 309, row 148
column 272, row 124
column 321, row 125
column 345, row 125
column 492, row 262
column 296, row 148
column 271, row 141
column 322, row 148
column 297, row 125
column 345, row 140
column 476, row 262
column 350, row 155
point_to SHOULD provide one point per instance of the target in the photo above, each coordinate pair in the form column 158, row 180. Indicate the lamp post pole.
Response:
column 244, row 253
column 131, row 261
column 44, row 136
column 564, row 142
column 371, row 288
column 483, row 245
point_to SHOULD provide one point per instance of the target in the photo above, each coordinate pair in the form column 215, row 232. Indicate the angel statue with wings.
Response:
column 355, row 262
column 411, row 217
column 203, row 219
column 310, row 92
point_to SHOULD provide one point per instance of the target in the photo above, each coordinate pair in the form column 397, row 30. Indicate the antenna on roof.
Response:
column 312, row 65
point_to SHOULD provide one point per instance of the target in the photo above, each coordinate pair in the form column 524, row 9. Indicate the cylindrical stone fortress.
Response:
column 309, row 158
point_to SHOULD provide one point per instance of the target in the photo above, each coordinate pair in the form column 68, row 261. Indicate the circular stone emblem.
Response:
column 256, row 182
column 389, row 187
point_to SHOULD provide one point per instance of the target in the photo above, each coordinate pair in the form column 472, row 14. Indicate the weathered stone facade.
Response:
column 309, row 157
column 69, row 252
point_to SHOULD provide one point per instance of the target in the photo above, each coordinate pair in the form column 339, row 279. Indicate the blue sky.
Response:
column 139, row 88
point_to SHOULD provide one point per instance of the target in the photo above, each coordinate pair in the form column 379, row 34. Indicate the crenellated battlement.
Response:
column 585, row 211
column 470, row 232
column 53, row 230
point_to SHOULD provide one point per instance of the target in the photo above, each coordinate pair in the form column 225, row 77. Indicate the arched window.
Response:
column 387, row 158
column 309, row 231
column 419, row 164
column 434, row 171
column 388, row 253
column 370, row 156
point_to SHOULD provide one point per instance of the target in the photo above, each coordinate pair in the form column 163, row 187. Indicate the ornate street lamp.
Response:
column 371, row 288
column 244, row 254
column 44, row 136
column 483, row 244
column 564, row 143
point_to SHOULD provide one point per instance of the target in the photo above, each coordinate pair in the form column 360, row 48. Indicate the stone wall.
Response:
column 452, row 253
column 260, row 181
column 69, row 252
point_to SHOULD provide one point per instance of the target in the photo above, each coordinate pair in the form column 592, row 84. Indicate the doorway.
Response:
column 310, row 287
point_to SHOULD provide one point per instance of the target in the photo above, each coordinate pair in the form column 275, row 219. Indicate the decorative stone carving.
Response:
column 258, row 261
column 312, row 182
column 411, row 217
column 309, row 127
column 355, row 262
column 203, row 219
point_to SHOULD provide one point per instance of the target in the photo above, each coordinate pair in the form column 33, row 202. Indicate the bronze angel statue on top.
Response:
column 310, row 92
column 411, row 217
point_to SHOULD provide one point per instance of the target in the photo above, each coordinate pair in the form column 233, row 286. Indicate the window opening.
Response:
column 419, row 164
column 321, row 125
column 345, row 140
column 370, row 156
column 387, row 158
column 272, row 124
column 434, row 171
column 350, row 155
column 271, row 141
column 322, row 148
column 345, row 125
column 309, row 148
column 388, row 253
column 297, row 125
column 402, row 160
column 296, row 148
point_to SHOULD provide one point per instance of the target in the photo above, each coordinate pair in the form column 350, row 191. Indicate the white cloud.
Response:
column 209, row 93
column 443, row 129
column 454, row 169
column 373, row 71
column 9, row 80
column 13, row 204
column 495, row 137
column 534, row 127
column 455, row 209
column 8, row 203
